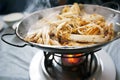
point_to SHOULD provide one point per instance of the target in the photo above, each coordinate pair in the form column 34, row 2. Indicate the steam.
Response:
column 33, row 5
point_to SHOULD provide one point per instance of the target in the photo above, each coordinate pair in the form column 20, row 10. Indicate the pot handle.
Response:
column 112, row 4
column 10, row 34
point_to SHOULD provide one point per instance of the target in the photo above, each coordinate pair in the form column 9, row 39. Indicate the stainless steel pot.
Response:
column 110, row 15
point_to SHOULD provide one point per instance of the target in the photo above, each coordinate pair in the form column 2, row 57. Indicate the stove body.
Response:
column 93, row 66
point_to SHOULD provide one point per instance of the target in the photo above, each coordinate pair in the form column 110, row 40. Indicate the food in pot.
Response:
column 72, row 27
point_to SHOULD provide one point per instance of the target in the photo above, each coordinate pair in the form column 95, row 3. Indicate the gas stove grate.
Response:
column 56, row 68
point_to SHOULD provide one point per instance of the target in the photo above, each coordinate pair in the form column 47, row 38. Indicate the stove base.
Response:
column 106, row 69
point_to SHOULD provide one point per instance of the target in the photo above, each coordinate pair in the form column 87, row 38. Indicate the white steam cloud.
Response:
column 33, row 5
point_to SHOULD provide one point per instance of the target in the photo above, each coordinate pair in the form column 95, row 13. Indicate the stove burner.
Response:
column 72, row 60
column 54, row 66
column 37, row 70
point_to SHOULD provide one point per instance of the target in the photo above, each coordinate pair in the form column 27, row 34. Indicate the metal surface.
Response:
column 109, row 14
column 106, row 69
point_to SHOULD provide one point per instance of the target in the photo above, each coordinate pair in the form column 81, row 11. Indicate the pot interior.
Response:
column 112, row 16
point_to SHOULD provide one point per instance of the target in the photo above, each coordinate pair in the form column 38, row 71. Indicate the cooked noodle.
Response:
column 73, row 27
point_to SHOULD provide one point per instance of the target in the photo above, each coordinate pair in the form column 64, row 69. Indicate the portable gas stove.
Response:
column 53, row 66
